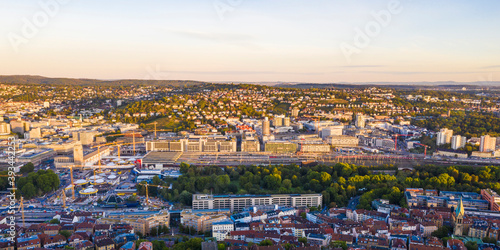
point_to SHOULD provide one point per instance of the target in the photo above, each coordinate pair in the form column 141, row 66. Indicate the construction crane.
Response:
column 115, row 144
column 21, row 207
column 316, row 121
column 72, row 182
column 99, row 154
column 301, row 151
column 72, row 178
column 64, row 197
column 147, row 191
column 158, row 130
column 425, row 148
column 396, row 140
column 133, row 138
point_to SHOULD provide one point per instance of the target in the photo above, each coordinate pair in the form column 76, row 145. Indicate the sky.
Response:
column 323, row 41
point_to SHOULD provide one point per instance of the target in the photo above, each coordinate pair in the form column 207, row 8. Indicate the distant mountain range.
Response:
column 88, row 82
column 400, row 85
column 185, row 83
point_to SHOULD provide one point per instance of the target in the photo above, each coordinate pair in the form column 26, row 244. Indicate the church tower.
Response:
column 459, row 219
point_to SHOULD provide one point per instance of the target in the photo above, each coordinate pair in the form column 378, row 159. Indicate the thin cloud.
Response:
column 363, row 66
column 245, row 72
column 221, row 37
column 491, row 67
column 417, row 72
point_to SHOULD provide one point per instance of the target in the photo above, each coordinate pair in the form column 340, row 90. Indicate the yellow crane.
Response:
column 147, row 191
column 72, row 179
column 114, row 144
column 156, row 130
column 64, row 197
column 21, row 207
column 133, row 139
column 72, row 183
column 316, row 120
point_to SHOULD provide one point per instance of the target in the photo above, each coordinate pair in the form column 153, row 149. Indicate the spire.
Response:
column 460, row 209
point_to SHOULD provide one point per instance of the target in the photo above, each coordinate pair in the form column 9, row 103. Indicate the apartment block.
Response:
column 444, row 136
column 236, row 203
column 492, row 197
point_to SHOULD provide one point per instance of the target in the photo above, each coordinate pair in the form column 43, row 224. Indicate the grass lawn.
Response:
column 282, row 108
column 163, row 123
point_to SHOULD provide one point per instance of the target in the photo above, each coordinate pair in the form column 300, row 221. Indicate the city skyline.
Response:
column 253, row 41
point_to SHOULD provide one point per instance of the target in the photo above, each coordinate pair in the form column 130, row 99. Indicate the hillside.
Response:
column 28, row 79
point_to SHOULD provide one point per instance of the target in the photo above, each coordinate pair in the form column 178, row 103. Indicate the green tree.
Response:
column 489, row 240
column 287, row 184
column 325, row 177
column 471, row 245
column 159, row 244
column 140, row 235
column 54, row 221
column 154, row 231
column 65, row 233
column 266, row 242
column 338, row 244
column 442, row 232
column 303, row 240
column 27, row 168
column 29, row 191
column 186, row 197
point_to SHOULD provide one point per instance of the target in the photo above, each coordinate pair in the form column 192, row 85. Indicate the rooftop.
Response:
column 161, row 157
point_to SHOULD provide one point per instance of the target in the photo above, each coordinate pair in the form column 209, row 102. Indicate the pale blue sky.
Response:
column 253, row 40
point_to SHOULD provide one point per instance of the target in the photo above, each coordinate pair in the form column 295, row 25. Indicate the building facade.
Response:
column 236, row 203
column 492, row 197
column 444, row 136
column 487, row 144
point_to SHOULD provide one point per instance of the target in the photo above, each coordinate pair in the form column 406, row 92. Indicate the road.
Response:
column 353, row 202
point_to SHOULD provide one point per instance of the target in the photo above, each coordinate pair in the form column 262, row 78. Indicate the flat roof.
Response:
column 161, row 157
column 254, row 195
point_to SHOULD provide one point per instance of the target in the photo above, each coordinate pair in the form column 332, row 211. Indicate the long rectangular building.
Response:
column 236, row 203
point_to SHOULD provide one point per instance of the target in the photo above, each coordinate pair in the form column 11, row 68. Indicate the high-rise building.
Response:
column 295, row 112
column 266, row 127
column 286, row 122
column 85, row 137
column 488, row 143
column 20, row 126
column 444, row 136
column 4, row 128
column 360, row 121
column 458, row 141
column 278, row 121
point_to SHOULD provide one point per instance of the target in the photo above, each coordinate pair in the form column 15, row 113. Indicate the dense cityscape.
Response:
column 250, row 125
column 241, row 166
